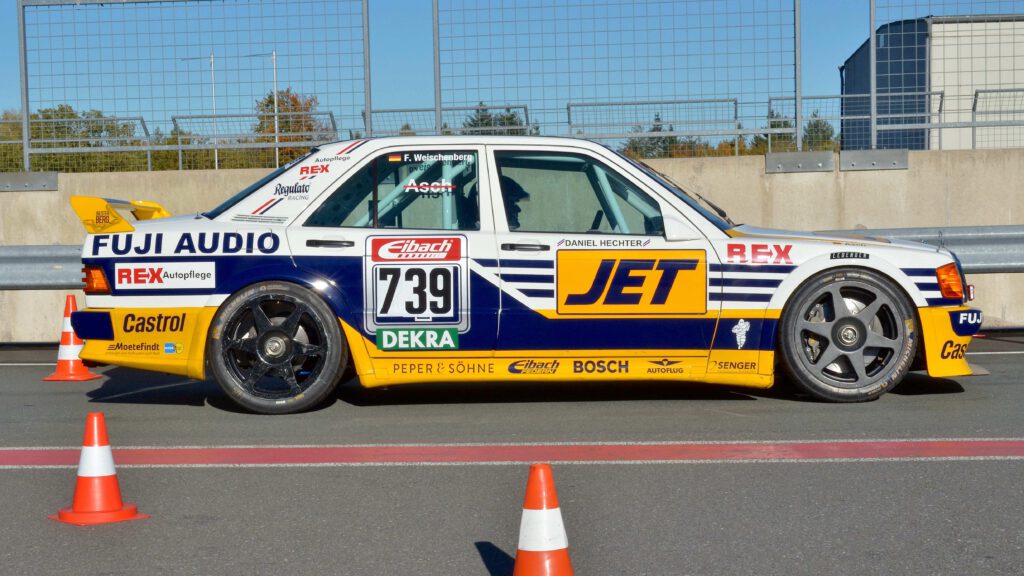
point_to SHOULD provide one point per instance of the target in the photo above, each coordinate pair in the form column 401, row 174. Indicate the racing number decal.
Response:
column 417, row 293
column 413, row 281
column 631, row 282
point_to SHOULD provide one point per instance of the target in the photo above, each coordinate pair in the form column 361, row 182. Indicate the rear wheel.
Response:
column 276, row 348
column 848, row 335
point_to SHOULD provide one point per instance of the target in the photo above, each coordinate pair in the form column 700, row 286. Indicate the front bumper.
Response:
column 946, row 333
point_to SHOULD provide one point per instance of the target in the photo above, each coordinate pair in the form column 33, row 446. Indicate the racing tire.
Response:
column 848, row 335
column 276, row 348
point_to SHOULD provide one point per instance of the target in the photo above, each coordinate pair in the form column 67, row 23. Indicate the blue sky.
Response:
column 831, row 30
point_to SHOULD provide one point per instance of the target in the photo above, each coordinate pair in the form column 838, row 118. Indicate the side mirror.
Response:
column 677, row 229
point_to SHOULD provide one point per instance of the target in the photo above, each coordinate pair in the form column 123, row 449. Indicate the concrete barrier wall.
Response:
column 940, row 188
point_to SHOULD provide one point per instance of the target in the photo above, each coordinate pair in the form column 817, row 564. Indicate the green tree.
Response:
column 507, row 123
column 296, row 121
column 784, row 142
column 650, row 145
column 819, row 134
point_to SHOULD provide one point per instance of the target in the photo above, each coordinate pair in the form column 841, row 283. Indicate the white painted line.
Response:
column 28, row 364
column 992, row 353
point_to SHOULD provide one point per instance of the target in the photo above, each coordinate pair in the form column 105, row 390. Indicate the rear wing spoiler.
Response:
column 100, row 215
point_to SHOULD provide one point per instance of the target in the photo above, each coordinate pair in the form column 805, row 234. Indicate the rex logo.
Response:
column 632, row 282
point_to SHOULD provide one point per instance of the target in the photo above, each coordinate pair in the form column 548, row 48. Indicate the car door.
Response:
column 585, row 265
column 397, row 235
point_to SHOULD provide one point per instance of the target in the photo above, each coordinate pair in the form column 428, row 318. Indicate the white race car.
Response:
column 419, row 259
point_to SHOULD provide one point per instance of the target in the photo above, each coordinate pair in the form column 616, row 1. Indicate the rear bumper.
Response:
column 946, row 332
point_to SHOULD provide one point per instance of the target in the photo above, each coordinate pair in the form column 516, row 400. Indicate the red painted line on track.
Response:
column 483, row 454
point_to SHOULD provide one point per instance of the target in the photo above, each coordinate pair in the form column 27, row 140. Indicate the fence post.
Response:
column 367, row 96
column 872, row 49
column 437, row 69
column 22, row 56
column 798, row 117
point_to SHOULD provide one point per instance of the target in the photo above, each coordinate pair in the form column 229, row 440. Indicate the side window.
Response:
column 572, row 193
column 407, row 190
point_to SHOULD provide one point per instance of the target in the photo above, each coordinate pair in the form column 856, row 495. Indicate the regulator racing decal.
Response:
column 165, row 275
column 416, row 282
column 629, row 282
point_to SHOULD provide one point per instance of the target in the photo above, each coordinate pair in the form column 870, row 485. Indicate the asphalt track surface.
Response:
column 653, row 478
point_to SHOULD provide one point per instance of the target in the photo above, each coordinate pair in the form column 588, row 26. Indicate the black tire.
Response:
column 276, row 348
column 848, row 335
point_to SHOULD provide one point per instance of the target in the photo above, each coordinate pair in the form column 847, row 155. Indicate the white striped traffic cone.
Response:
column 97, row 493
column 543, row 545
column 69, row 366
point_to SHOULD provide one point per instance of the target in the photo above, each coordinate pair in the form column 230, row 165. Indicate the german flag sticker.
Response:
column 395, row 158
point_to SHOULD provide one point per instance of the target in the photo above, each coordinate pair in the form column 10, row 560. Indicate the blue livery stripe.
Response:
column 944, row 301
column 538, row 278
column 537, row 292
column 740, row 297
column 507, row 263
column 919, row 271
column 764, row 268
column 90, row 325
column 930, row 286
column 745, row 282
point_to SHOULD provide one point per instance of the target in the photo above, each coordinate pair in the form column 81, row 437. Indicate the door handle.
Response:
column 315, row 243
column 526, row 247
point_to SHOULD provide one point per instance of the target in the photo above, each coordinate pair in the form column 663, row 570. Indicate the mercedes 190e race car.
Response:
column 481, row 259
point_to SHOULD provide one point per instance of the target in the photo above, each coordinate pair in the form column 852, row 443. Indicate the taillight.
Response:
column 95, row 280
column 949, row 282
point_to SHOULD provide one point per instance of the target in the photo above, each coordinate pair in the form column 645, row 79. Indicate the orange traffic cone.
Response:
column 543, row 545
column 69, row 366
column 97, row 494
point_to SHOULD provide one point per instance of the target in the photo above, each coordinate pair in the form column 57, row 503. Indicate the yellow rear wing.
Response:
column 100, row 215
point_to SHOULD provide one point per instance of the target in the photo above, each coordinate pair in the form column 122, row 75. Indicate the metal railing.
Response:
column 981, row 250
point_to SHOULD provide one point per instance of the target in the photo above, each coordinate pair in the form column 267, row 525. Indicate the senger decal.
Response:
column 631, row 282
column 185, row 244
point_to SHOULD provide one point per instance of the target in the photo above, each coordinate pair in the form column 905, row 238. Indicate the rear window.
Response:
column 239, row 196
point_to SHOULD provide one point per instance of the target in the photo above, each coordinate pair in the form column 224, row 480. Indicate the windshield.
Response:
column 238, row 197
column 707, row 209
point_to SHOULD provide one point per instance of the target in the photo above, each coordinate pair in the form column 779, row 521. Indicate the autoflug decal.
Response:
column 185, row 244
column 416, row 291
column 625, row 283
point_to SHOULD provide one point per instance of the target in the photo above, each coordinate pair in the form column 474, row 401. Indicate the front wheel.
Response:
column 848, row 335
column 276, row 348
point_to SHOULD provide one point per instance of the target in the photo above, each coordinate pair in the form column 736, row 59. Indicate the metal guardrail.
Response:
column 981, row 250
column 40, row 267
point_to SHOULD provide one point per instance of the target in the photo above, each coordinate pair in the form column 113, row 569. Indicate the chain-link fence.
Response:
column 193, row 84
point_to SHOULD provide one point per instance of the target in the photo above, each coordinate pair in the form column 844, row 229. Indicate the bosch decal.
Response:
column 165, row 275
column 600, row 366
column 759, row 253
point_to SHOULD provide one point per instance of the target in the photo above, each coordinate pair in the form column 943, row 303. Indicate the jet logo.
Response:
column 631, row 282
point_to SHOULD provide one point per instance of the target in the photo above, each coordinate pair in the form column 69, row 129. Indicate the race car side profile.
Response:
column 489, row 258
